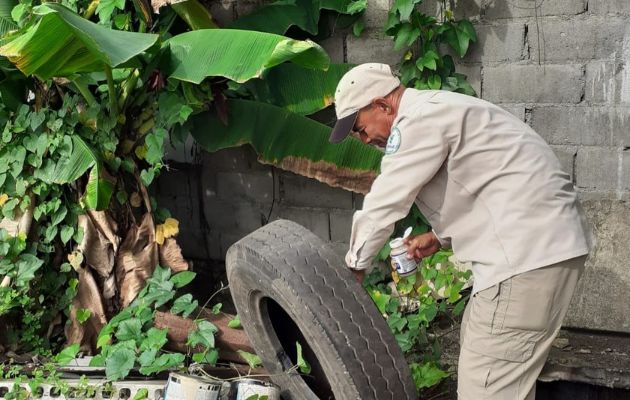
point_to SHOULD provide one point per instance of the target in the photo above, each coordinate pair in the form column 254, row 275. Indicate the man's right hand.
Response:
column 422, row 245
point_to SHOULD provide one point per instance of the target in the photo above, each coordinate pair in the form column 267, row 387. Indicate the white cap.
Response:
column 356, row 89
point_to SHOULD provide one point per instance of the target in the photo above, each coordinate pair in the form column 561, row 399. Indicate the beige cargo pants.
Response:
column 507, row 331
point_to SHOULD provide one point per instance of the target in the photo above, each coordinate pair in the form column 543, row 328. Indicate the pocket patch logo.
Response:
column 393, row 143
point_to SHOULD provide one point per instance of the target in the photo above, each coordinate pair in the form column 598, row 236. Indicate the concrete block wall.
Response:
column 561, row 66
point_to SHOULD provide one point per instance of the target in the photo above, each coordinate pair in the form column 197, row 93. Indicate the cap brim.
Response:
column 343, row 127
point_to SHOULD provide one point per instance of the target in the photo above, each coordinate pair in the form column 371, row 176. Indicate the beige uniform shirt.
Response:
column 488, row 184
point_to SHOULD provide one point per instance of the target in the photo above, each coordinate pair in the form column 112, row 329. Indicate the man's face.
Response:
column 373, row 124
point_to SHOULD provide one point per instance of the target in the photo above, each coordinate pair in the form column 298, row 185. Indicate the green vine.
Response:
column 427, row 41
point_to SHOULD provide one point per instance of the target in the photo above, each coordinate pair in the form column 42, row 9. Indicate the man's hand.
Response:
column 422, row 245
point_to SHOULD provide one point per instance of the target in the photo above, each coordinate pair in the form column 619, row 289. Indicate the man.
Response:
column 494, row 190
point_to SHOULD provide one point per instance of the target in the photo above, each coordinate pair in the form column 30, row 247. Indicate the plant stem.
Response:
column 85, row 92
column 128, row 87
column 113, row 100
column 91, row 9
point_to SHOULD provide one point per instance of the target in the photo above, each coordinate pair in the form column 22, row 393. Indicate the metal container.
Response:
column 246, row 388
column 187, row 387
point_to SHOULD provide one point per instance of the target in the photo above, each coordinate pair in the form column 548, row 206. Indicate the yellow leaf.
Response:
column 3, row 199
column 169, row 228
column 395, row 277
column 159, row 234
column 75, row 259
column 141, row 152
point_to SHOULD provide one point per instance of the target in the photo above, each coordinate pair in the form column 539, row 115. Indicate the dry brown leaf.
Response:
column 135, row 200
column 100, row 242
column 136, row 259
column 171, row 256
column 88, row 296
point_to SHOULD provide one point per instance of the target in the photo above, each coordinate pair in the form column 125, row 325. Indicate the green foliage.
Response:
column 130, row 339
column 419, row 303
column 235, row 322
column 302, row 364
column 252, row 360
column 425, row 38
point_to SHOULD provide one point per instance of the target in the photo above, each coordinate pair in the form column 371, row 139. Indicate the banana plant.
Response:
column 291, row 142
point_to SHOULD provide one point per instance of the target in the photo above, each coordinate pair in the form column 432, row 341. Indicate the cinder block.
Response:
column 607, row 82
column 561, row 39
column 575, row 125
column 607, row 7
column 244, row 7
column 625, row 170
column 372, row 46
column 533, row 83
column 334, row 47
column 597, row 168
column 518, row 110
column 375, row 15
column 566, row 156
column 234, row 217
column 596, row 303
column 299, row 191
column 531, row 8
column 242, row 158
column 473, row 75
column 312, row 219
column 341, row 225
column 249, row 186
column 223, row 11
column 498, row 43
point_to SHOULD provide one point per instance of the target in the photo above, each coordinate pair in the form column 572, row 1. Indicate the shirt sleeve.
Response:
column 423, row 149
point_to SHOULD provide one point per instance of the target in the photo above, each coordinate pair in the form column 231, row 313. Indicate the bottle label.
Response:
column 403, row 264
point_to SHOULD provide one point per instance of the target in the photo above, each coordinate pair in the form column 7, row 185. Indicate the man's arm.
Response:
column 422, row 151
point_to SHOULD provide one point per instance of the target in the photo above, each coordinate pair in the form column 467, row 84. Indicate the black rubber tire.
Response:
column 288, row 285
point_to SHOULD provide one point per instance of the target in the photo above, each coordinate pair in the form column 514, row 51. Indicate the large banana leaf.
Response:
column 6, row 22
column 98, row 191
column 291, row 142
column 300, row 90
column 237, row 55
column 62, row 43
column 278, row 17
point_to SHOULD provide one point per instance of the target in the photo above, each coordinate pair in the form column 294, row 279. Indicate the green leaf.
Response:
column 358, row 27
column 141, row 394
column 106, row 8
column 184, row 304
column 278, row 17
column 130, row 329
column 156, row 339
column 252, row 360
column 404, row 8
column 119, row 363
column 97, row 361
column 68, row 354
column 98, row 191
column 27, row 266
column 182, row 278
column 209, row 357
column 66, row 233
column 78, row 45
column 428, row 61
column 196, row 15
column 83, row 314
column 357, row 6
column 435, row 82
column 155, row 145
column 147, row 357
column 299, row 90
column 204, row 334
column 235, row 322
column 217, row 308
column 304, row 366
column 147, row 176
column 459, row 36
column 163, row 363
column 405, row 36
column 291, row 142
column 236, row 55
column 426, row 375
column 380, row 299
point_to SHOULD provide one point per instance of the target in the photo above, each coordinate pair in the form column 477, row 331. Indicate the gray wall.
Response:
column 562, row 68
